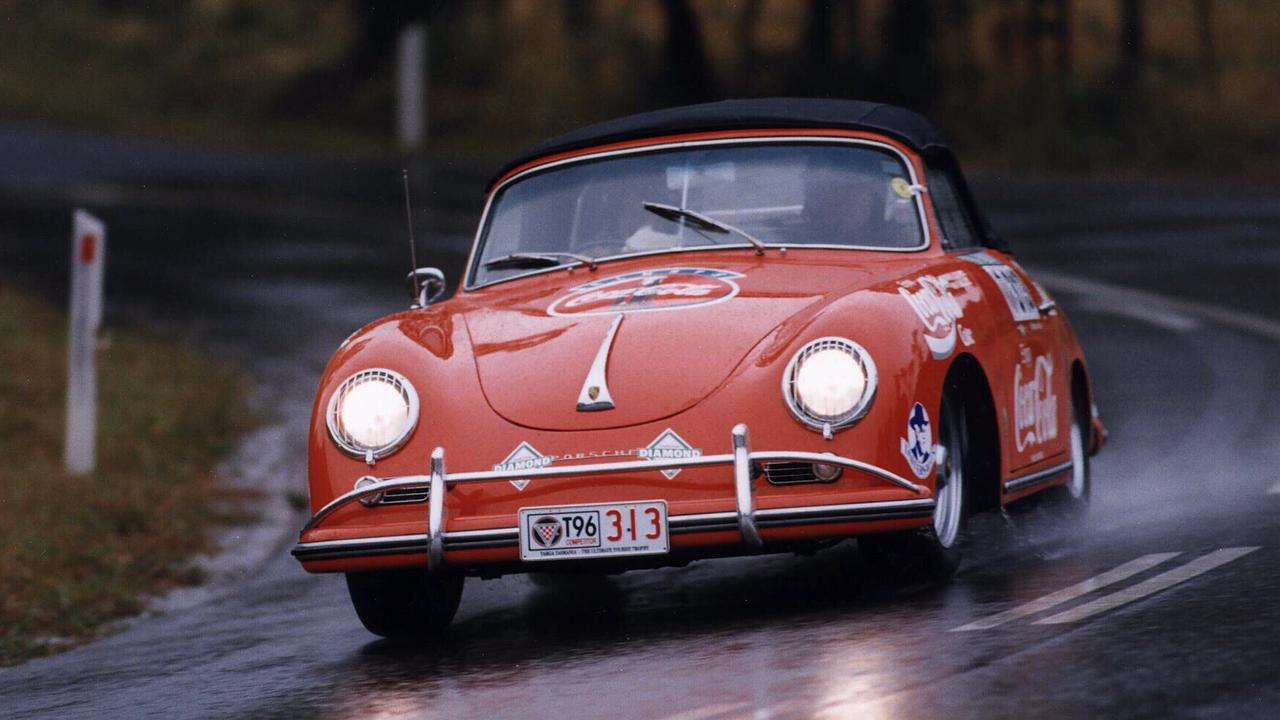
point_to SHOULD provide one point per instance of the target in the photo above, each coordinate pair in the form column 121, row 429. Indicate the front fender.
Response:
column 426, row 346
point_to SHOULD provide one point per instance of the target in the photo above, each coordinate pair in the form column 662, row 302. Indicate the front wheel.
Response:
column 405, row 603
column 934, row 549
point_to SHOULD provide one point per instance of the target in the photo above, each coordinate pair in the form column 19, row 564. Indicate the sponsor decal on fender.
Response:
column 917, row 446
column 1035, row 406
column 937, row 301
column 648, row 290
column 1015, row 292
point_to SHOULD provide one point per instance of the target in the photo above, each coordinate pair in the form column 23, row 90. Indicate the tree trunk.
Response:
column 1132, row 49
column 685, row 76
column 960, row 20
column 1036, row 30
column 1208, row 47
column 909, row 65
column 854, row 11
column 377, row 27
column 1005, row 36
column 579, row 26
column 745, row 40
column 1050, row 30
column 817, row 67
column 1065, row 37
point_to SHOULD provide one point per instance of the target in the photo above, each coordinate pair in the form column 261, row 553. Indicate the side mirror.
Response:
column 426, row 285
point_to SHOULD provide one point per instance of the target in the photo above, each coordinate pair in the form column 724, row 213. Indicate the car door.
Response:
column 1032, row 393
column 1036, row 399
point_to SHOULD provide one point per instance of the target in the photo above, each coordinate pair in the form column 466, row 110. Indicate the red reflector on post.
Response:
column 88, row 248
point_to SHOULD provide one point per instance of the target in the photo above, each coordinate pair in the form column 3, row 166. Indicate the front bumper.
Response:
column 746, row 519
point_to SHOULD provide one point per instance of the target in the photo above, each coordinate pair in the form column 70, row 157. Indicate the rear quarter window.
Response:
column 958, row 227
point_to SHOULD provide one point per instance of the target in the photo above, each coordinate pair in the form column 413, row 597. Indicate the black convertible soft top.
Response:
column 753, row 114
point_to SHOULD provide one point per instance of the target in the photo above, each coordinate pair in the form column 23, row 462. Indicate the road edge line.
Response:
column 1099, row 290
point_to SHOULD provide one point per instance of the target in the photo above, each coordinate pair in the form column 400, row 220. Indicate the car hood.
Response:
column 683, row 331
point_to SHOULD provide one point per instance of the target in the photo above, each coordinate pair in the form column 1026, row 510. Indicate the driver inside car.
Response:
column 857, row 208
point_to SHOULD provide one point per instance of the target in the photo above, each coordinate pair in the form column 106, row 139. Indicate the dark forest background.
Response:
column 1181, row 87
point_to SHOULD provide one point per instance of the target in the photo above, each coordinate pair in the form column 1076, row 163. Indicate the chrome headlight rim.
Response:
column 348, row 444
column 811, row 420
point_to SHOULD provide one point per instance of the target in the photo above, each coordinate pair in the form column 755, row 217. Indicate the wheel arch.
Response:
column 967, row 377
column 1081, row 393
column 1082, row 397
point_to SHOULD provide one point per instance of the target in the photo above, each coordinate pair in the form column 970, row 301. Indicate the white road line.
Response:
column 1200, row 565
column 1155, row 304
column 1274, row 489
column 1110, row 577
column 1141, row 312
column 708, row 711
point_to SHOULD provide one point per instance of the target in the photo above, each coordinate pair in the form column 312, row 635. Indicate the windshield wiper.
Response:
column 547, row 259
column 692, row 217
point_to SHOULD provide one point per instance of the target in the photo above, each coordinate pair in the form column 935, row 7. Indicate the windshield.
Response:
column 782, row 194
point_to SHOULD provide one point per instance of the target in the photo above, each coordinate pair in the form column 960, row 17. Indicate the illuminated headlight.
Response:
column 829, row 384
column 372, row 413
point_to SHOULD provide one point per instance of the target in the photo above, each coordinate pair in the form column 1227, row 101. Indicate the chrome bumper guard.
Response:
column 747, row 520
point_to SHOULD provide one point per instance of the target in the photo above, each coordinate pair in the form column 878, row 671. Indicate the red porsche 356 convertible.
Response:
column 741, row 327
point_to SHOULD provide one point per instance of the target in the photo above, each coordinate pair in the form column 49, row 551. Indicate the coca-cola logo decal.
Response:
column 1035, row 404
column 939, row 300
column 646, row 291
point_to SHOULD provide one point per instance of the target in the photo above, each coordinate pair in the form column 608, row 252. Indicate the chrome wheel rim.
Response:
column 1076, row 486
column 949, row 479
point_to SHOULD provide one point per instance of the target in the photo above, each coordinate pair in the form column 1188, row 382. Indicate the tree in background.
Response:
column 685, row 75
column 1132, row 48
column 908, row 66
column 817, row 68
column 378, row 24
column 1077, row 83
column 1208, row 48
column 1049, row 32
column 746, row 23
column 367, row 62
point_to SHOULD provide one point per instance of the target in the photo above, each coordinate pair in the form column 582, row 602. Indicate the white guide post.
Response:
column 411, row 87
column 88, row 253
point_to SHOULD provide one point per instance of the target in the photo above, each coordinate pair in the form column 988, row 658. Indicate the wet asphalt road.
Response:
column 1186, row 500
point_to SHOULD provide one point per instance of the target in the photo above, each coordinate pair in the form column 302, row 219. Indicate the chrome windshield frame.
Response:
column 473, row 259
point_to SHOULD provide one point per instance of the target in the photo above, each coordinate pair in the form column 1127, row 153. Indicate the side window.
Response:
column 958, row 227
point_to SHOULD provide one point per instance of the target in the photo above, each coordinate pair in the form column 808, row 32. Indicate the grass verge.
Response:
column 77, row 553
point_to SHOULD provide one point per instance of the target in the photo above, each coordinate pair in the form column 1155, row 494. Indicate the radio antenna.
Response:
column 408, row 212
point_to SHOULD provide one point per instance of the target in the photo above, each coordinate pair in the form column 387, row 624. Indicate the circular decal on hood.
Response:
column 647, row 290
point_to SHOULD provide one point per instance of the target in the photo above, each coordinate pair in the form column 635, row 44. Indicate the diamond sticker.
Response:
column 524, row 457
column 670, row 446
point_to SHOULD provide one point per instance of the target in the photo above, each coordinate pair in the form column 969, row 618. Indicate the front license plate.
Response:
column 577, row 531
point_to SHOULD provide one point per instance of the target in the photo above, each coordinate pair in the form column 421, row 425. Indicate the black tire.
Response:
column 1071, row 500
column 405, row 603
column 934, row 550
